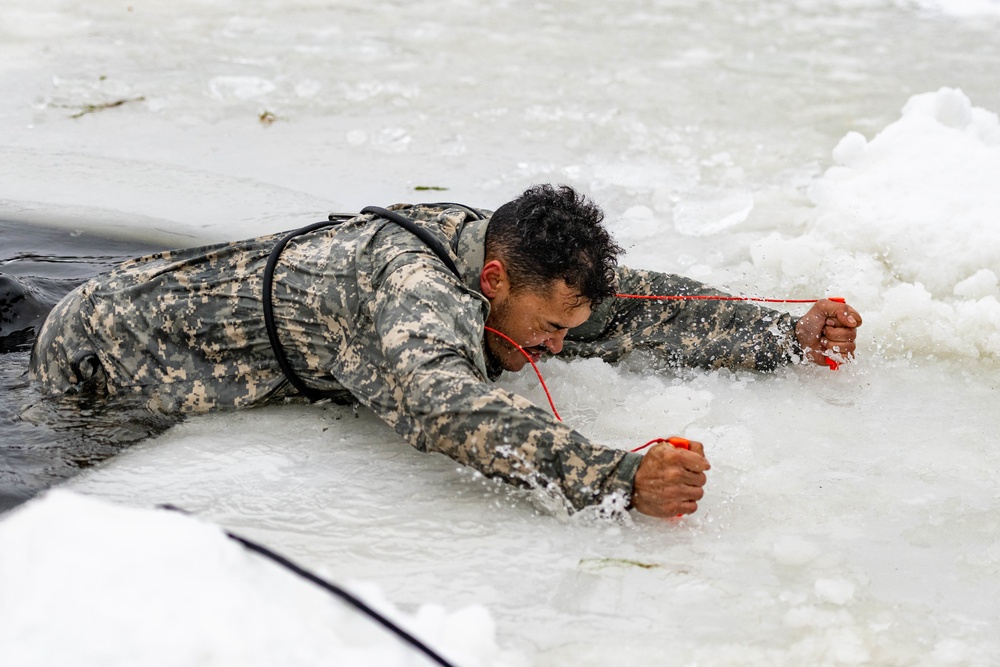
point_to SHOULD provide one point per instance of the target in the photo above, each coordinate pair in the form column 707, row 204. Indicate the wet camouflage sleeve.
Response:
column 706, row 334
column 430, row 329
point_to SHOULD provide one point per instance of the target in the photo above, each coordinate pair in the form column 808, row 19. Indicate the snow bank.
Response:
column 85, row 582
column 907, row 227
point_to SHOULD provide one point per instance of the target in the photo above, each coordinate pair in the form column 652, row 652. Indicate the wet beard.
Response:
column 497, row 320
column 494, row 369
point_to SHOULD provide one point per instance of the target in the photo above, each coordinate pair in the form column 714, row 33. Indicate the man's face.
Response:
column 537, row 321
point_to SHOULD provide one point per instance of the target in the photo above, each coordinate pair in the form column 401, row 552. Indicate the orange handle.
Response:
column 679, row 443
column 675, row 440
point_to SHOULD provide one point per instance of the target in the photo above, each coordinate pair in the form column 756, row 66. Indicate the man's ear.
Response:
column 493, row 281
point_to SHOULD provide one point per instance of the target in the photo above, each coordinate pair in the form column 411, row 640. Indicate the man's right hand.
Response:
column 670, row 481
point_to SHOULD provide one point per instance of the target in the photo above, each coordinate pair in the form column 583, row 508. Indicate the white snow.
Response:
column 86, row 582
column 907, row 224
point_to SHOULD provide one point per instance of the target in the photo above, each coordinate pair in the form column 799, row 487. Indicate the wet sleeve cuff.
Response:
column 621, row 481
column 795, row 353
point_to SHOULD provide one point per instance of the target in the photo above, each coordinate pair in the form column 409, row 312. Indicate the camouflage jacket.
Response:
column 365, row 307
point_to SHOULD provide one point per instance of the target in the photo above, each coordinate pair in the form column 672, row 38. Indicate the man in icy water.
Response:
column 367, row 309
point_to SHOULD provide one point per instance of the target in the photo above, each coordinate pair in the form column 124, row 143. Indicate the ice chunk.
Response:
column 850, row 148
column 835, row 591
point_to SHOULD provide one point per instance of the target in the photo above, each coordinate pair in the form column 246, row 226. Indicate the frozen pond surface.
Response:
column 851, row 517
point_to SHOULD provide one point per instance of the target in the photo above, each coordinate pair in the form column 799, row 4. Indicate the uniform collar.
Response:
column 471, row 258
column 472, row 251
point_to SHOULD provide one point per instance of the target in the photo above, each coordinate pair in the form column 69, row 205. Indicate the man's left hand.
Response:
column 829, row 327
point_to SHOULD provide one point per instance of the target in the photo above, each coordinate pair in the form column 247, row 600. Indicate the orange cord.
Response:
column 714, row 297
column 532, row 362
column 676, row 441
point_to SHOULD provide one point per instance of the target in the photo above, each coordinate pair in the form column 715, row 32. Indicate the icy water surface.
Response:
column 851, row 517
column 41, row 443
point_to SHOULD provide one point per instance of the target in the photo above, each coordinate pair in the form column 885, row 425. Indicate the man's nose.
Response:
column 555, row 342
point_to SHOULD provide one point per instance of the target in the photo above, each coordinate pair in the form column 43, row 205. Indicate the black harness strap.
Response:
column 272, row 262
column 272, row 328
column 419, row 232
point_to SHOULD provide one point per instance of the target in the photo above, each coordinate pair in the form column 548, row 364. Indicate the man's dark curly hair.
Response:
column 552, row 232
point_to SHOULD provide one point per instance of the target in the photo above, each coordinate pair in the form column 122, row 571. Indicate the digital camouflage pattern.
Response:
column 365, row 309
column 700, row 333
